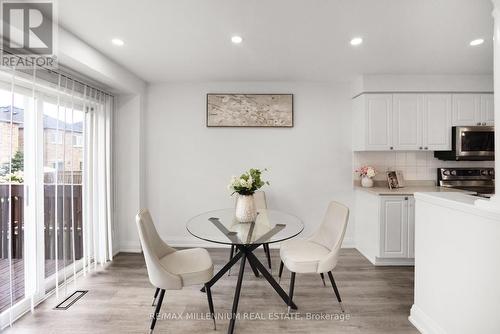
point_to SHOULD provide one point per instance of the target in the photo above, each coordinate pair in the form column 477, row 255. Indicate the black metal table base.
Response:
column 246, row 253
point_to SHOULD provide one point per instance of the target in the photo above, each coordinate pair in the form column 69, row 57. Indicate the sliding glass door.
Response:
column 63, row 147
column 55, row 162
column 12, row 190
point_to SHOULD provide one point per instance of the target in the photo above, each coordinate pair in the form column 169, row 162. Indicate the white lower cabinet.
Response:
column 385, row 228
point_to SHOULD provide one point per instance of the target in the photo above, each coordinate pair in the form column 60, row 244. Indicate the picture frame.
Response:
column 392, row 179
column 249, row 110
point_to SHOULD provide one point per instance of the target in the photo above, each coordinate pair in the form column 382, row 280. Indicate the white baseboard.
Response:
column 380, row 261
column 135, row 247
column 423, row 323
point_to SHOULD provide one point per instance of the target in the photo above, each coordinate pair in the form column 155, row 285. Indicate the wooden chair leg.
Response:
column 336, row 291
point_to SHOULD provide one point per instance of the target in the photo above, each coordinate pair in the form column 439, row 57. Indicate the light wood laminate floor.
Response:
column 377, row 300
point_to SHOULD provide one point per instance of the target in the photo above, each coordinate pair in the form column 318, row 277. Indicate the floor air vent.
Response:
column 73, row 298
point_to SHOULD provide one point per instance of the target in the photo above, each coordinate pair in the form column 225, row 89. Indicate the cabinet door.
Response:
column 487, row 109
column 407, row 121
column 437, row 122
column 394, row 227
column 411, row 227
column 379, row 121
column 466, row 109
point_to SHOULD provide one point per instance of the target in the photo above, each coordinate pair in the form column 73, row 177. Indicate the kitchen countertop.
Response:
column 409, row 190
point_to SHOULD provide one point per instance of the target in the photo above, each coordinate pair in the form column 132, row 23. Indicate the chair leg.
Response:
column 210, row 304
column 230, row 257
column 268, row 253
column 157, row 310
column 290, row 293
column 336, row 291
column 280, row 272
column 156, row 295
column 323, row 278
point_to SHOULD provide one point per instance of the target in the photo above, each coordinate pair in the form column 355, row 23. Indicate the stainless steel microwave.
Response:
column 470, row 143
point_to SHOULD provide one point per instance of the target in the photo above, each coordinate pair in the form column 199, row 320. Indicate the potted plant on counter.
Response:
column 245, row 186
column 367, row 173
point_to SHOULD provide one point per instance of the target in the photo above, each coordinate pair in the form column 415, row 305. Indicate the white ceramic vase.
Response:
column 366, row 182
column 245, row 209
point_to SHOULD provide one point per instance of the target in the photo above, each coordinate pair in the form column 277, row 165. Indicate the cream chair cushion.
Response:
column 194, row 266
column 302, row 256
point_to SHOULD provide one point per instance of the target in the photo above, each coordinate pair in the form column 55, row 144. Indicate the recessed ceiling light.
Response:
column 356, row 41
column 476, row 42
column 236, row 39
column 117, row 42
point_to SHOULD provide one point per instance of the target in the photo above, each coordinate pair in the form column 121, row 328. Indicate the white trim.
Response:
column 380, row 261
column 423, row 323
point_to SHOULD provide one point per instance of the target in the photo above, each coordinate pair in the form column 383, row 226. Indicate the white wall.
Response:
column 127, row 170
column 189, row 165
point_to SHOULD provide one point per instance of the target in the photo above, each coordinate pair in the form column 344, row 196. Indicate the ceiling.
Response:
column 285, row 40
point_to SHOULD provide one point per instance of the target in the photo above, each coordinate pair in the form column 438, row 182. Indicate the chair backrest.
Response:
column 154, row 249
column 332, row 229
column 260, row 200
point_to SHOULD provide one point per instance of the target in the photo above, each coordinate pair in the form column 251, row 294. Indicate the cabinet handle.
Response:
column 426, row 148
column 420, row 148
column 479, row 123
column 406, row 198
column 484, row 123
column 391, row 148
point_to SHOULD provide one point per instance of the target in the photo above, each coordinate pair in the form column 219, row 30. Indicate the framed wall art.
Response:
column 250, row 110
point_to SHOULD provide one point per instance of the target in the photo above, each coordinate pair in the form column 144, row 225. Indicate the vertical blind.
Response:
column 55, row 185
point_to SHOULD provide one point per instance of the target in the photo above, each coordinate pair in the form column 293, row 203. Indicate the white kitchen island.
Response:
column 457, row 265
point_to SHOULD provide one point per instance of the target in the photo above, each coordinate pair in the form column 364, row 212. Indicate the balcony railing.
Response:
column 69, row 205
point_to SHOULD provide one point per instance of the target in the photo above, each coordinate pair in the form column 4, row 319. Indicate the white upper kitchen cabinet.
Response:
column 407, row 121
column 466, row 109
column 372, row 122
column 487, row 110
column 437, row 122
column 472, row 109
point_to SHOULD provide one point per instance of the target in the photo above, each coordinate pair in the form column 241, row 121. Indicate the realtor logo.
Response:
column 28, row 33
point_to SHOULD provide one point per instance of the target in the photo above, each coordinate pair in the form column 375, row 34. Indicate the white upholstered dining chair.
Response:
column 318, row 254
column 169, row 268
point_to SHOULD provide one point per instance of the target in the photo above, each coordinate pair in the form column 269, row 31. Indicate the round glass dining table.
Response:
column 221, row 226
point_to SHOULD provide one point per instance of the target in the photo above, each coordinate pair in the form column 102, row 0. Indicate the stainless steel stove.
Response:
column 480, row 181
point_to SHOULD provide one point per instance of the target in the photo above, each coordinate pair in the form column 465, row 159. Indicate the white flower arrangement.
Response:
column 247, row 183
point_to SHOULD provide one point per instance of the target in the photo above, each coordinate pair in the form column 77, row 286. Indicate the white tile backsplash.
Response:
column 414, row 165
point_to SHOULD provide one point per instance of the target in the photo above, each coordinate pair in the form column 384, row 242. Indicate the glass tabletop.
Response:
column 220, row 226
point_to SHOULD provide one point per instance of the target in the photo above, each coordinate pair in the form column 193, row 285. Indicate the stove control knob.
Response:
column 484, row 172
column 491, row 172
column 453, row 172
column 446, row 172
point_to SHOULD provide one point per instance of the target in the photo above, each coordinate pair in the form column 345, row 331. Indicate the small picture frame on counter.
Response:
column 395, row 179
